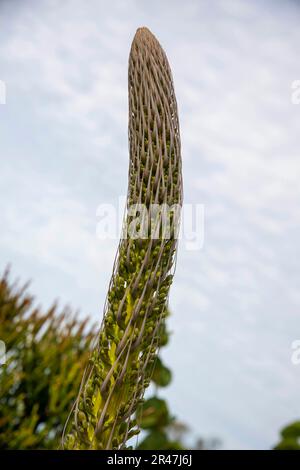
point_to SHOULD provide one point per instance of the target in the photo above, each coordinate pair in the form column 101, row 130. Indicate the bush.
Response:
column 46, row 353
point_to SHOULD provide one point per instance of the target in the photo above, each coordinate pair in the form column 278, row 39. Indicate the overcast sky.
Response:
column 64, row 151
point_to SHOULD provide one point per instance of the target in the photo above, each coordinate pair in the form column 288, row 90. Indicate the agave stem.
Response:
column 122, row 362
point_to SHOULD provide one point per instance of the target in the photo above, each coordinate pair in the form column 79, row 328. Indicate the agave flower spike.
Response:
column 122, row 362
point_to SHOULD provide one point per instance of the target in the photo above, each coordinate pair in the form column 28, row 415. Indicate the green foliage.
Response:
column 161, row 376
column 161, row 430
column 159, row 440
column 46, row 354
column 290, row 437
column 154, row 417
column 153, row 414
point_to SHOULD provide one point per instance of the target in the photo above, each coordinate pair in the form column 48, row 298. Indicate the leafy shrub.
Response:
column 46, row 353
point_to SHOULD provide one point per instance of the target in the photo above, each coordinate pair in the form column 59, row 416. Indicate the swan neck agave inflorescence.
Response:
column 121, row 365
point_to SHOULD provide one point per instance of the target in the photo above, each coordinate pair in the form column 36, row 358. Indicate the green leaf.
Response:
column 288, row 444
column 154, row 413
column 293, row 430
column 162, row 376
column 154, row 440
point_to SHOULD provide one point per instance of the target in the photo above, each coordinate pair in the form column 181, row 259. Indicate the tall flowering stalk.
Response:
column 121, row 365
